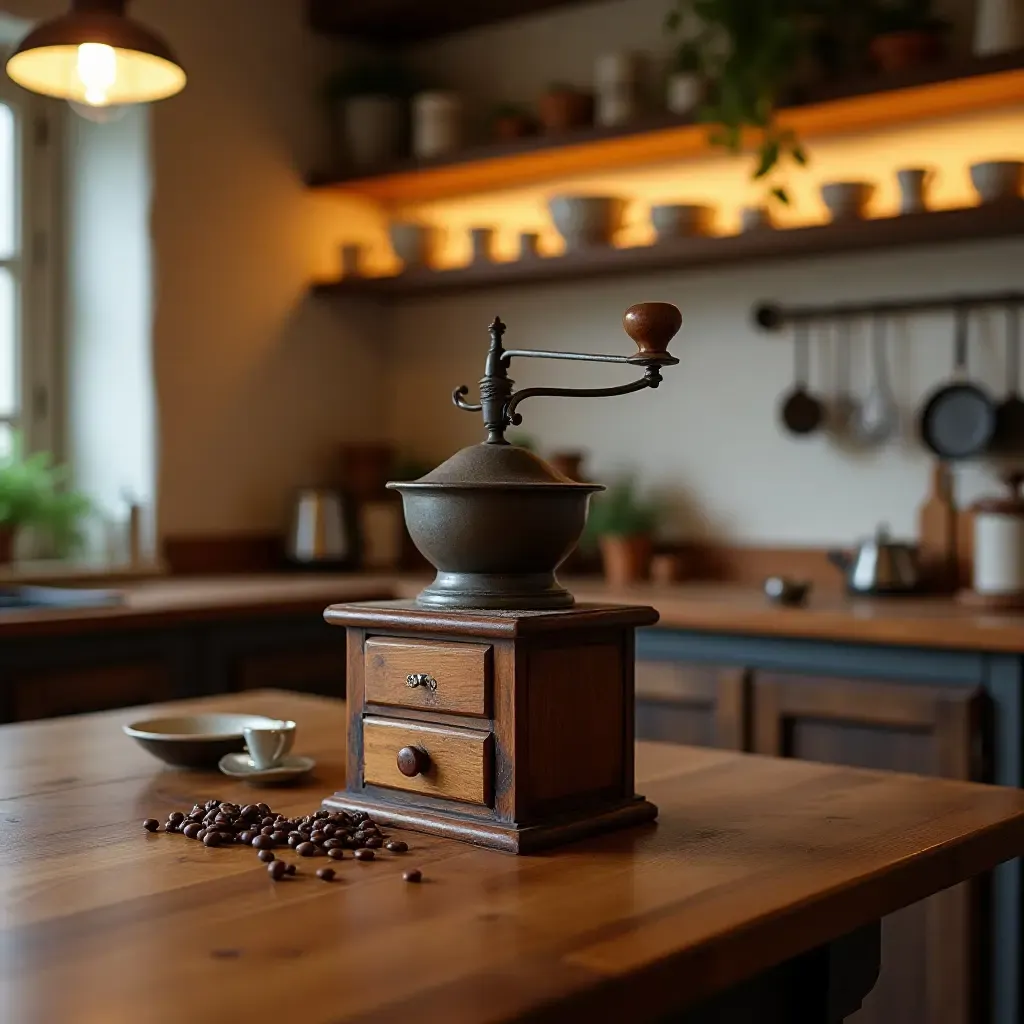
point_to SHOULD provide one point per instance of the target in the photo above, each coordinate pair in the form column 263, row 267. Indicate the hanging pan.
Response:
column 802, row 413
column 959, row 420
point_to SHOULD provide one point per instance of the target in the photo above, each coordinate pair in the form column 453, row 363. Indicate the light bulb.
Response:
column 97, row 71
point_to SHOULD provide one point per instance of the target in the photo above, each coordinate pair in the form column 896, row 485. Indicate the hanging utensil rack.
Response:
column 772, row 317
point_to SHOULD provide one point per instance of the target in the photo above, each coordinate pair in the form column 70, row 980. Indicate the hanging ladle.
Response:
column 1009, row 436
column 802, row 413
column 879, row 415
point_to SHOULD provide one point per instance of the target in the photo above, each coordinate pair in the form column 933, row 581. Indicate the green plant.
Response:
column 384, row 78
column 620, row 512
column 905, row 16
column 749, row 50
column 33, row 493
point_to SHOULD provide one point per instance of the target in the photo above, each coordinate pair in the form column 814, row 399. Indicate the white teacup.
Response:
column 269, row 744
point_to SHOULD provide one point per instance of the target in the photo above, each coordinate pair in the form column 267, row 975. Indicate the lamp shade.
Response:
column 98, row 56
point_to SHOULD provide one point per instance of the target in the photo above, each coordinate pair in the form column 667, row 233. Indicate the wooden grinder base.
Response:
column 511, row 730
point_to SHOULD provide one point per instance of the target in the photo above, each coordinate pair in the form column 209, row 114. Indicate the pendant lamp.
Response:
column 96, row 55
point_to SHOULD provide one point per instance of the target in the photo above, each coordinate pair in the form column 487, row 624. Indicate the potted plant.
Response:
column 752, row 52
column 512, row 121
column 563, row 107
column 906, row 34
column 623, row 526
column 33, row 494
column 685, row 88
column 369, row 104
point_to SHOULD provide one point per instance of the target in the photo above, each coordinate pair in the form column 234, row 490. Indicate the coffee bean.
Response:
column 212, row 839
column 396, row 846
column 332, row 844
column 267, row 821
column 363, row 855
column 321, row 813
column 327, row 874
column 306, row 850
column 317, row 838
column 374, row 843
column 191, row 830
column 151, row 824
column 295, row 840
column 328, row 830
column 291, row 869
column 262, row 842
column 176, row 817
column 415, row 875
column 336, row 853
column 266, row 856
column 211, row 804
column 247, row 836
column 277, row 870
column 250, row 811
column 267, row 830
column 279, row 837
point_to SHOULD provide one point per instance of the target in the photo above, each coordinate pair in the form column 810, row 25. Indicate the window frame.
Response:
column 38, row 131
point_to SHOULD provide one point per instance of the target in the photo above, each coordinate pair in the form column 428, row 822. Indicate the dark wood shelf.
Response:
column 995, row 220
column 869, row 103
column 398, row 22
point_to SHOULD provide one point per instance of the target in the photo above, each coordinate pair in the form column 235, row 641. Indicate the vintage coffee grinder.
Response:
column 493, row 708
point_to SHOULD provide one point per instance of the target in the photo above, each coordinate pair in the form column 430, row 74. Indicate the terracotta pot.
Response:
column 561, row 110
column 513, row 126
column 6, row 545
column 901, row 51
column 626, row 559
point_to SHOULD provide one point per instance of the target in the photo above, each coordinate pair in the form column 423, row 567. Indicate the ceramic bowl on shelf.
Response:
column 585, row 221
column 195, row 741
column 847, row 200
column 680, row 220
column 413, row 243
column 998, row 179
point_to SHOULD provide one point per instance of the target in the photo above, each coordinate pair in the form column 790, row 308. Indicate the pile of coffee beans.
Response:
column 322, row 833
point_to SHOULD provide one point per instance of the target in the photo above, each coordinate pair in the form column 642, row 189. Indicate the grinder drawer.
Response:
column 456, row 764
column 428, row 675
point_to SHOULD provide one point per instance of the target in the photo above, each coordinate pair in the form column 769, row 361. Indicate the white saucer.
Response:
column 239, row 766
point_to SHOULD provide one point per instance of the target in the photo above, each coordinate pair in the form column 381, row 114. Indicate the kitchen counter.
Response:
column 756, row 894
column 933, row 622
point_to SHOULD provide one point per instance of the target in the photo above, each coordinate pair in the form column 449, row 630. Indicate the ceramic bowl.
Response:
column 847, row 200
column 782, row 590
column 586, row 220
column 997, row 179
column 413, row 243
column 194, row 741
column 679, row 220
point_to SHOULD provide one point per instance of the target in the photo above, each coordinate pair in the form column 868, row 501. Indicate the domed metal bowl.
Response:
column 495, row 521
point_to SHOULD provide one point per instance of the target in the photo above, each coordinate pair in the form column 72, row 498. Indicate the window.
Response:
column 27, row 329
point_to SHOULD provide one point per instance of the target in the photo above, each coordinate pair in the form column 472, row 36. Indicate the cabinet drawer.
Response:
column 456, row 763
column 428, row 675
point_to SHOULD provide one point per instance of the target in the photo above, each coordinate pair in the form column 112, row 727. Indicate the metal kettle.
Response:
column 322, row 530
column 879, row 565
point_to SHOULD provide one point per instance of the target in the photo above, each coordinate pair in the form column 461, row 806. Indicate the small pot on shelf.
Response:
column 511, row 122
column 563, row 108
column 907, row 49
column 626, row 559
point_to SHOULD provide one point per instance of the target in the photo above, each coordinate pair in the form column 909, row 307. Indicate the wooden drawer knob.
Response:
column 413, row 761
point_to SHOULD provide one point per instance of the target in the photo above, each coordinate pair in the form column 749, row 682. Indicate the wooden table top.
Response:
column 753, row 860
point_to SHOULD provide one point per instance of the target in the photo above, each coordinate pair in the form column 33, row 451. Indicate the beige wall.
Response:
column 255, row 385
column 709, row 439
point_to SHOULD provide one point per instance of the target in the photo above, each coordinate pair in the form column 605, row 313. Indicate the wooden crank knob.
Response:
column 412, row 762
column 652, row 325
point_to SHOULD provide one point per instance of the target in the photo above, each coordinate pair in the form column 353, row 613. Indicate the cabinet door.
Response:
column 700, row 705
column 931, row 972
column 69, row 690
column 302, row 654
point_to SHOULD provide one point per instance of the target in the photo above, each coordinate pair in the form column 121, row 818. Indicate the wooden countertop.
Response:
column 178, row 599
column 752, row 861
column 936, row 622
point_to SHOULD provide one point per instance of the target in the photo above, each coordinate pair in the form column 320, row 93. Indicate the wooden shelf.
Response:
column 868, row 105
column 995, row 220
column 410, row 21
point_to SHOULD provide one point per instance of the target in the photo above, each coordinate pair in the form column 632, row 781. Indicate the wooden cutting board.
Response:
column 938, row 526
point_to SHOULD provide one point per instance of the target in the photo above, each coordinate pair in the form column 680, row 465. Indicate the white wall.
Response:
column 255, row 385
column 709, row 439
